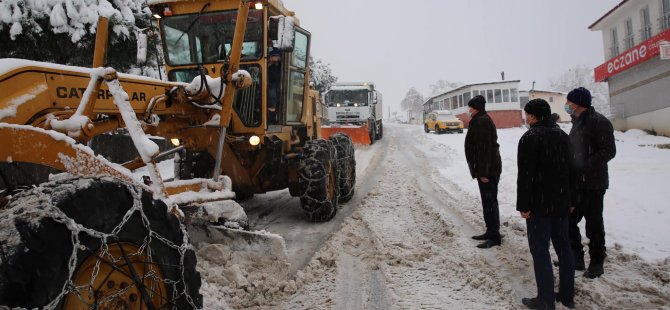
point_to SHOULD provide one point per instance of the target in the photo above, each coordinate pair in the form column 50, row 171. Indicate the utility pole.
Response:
column 502, row 73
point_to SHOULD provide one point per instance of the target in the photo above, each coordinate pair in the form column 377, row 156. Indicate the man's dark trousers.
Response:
column 489, row 194
column 542, row 228
column 589, row 207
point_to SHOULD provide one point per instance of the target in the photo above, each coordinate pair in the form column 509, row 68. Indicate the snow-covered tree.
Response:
column 413, row 104
column 63, row 31
column 443, row 86
column 583, row 76
column 321, row 76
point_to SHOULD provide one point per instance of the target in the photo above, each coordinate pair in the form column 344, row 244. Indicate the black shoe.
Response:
column 535, row 303
column 483, row 236
column 594, row 271
column 567, row 303
column 488, row 243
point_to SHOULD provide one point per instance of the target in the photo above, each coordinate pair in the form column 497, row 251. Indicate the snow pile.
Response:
column 239, row 272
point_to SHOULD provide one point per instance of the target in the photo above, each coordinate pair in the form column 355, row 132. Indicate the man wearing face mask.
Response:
column 592, row 140
column 483, row 157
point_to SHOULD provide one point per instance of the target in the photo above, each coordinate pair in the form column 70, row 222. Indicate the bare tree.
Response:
column 413, row 104
column 443, row 86
column 583, row 76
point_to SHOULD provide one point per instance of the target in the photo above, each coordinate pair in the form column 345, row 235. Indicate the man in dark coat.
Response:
column 544, row 186
column 592, row 139
column 483, row 157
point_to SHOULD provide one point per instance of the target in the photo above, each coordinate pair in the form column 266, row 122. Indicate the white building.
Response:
column 639, row 81
column 502, row 102
column 555, row 99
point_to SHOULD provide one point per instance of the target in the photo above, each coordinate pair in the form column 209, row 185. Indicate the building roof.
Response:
column 469, row 85
column 608, row 14
column 547, row 91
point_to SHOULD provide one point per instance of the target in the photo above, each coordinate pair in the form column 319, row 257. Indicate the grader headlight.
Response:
column 254, row 140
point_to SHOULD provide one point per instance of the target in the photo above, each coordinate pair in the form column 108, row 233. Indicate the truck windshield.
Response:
column 347, row 97
column 209, row 37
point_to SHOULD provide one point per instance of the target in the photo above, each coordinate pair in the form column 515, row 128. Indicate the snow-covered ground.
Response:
column 403, row 241
column 637, row 204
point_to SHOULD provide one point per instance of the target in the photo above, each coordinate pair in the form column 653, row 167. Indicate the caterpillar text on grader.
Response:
column 80, row 232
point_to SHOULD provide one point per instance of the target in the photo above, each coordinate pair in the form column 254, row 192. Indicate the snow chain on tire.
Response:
column 92, row 243
column 318, row 180
column 346, row 165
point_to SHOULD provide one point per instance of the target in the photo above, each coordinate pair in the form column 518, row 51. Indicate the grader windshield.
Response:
column 204, row 38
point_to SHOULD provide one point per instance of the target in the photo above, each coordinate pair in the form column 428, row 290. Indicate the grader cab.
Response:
column 79, row 231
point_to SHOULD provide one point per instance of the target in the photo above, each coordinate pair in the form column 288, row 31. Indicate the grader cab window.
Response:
column 206, row 38
column 298, row 68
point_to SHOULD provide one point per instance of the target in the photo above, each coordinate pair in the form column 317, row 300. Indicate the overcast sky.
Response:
column 469, row 41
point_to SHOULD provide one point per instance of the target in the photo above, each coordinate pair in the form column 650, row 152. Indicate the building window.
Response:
column 665, row 15
column 646, row 24
column 514, row 94
column 454, row 103
column 460, row 101
column 630, row 37
column 551, row 99
column 475, row 93
column 505, row 95
column 498, row 95
column 489, row 95
column 614, row 47
column 466, row 97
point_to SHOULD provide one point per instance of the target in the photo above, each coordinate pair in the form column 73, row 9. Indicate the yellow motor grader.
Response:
column 79, row 232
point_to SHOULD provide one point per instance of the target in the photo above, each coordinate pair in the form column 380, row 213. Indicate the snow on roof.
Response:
column 468, row 86
column 351, row 87
column 607, row 14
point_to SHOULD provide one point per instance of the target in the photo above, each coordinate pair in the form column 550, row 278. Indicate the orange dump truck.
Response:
column 354, row 109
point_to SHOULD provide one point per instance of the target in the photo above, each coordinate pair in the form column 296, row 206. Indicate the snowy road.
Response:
column 403, row 242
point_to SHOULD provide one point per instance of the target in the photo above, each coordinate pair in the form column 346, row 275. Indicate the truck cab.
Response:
column 355, row 104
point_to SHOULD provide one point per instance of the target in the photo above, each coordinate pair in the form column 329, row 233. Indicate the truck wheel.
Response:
column 94, row 243
column 373, row 137
column 381, row 131
column 425, row 128
column 318, row 179
column 346, row 165
column 437, row 130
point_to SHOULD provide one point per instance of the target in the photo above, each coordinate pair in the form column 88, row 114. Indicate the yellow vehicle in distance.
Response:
column 442, row 121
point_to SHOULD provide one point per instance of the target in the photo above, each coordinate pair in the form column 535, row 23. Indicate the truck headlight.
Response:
column 175, row 141
column 338, row 105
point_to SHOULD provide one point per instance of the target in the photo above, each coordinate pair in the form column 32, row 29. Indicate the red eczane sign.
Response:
column 632, row 57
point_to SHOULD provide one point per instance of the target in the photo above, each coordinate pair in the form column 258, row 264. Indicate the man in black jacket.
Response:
column 592, row 139
column 483, row 157
column 544, row 187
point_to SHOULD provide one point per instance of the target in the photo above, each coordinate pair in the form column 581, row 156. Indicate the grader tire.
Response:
column 318, row 180
column 346, row 165
column 145, row 260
